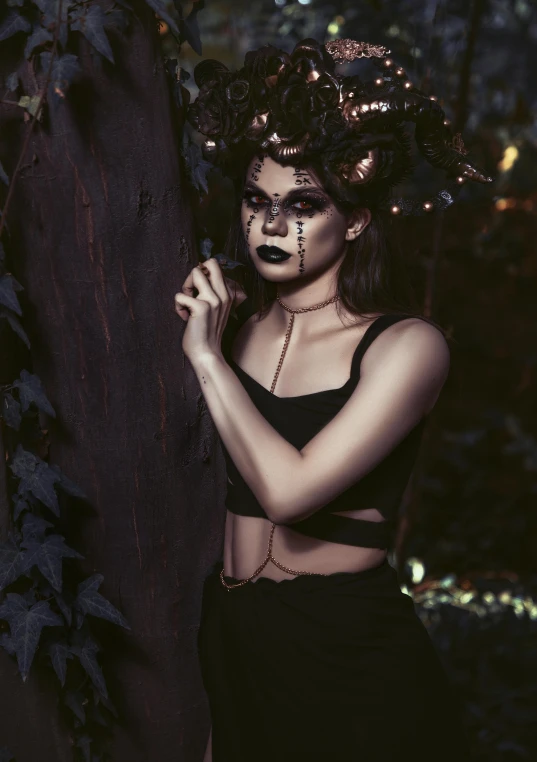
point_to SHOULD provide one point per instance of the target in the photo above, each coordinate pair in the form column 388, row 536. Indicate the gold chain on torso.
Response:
column 269, row 556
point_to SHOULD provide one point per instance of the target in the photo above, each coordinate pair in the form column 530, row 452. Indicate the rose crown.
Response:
column 294, row 108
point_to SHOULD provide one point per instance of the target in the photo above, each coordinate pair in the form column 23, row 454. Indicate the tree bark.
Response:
column 101, row 237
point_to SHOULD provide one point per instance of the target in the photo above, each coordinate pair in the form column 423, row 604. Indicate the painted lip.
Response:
column 273, row 253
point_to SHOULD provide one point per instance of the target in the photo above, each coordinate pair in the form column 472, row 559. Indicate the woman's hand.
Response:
column 207, row 313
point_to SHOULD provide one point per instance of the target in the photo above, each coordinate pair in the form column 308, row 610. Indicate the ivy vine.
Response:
column 46, row 607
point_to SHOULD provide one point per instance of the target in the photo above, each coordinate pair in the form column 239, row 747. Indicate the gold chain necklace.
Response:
column 269, row 556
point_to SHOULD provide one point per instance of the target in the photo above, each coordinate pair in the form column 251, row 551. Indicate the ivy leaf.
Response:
column 12, row 24
column 11, row 411
column 26, row 624
column 79, row 619
column 65, row 602
column 64, row 71
column 50, row 10
column 160, row 7
column 89, row 601
column 98, row 698
column 178, row 7
column 125, row 4
column 226, row 263
column 30, row 596
column 34, row 528
column 117, row 18
column 83, row 742
column 39, row 36
column 10, row 562
column 59, row 652
column 74, row 699
column 190, row 29
column 178, row 75
column 15, row 324
column 7, row 644
column 48, row 556
column 197, row 166
column 91, row 24
column 8, row 296
column 36, row 477
column 206, row 248
column 85, row 647
column 31, row 104
column 20, row 506
column 12, row 82
column 31, row 390
column 66, row 484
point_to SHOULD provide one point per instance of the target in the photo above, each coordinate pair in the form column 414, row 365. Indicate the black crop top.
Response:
column 299, row 419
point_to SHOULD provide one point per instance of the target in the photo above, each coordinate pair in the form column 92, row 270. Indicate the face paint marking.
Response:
column 274, row 213
column 301, row 177
column 301, row 248
column 257, row 167
column 248, row 226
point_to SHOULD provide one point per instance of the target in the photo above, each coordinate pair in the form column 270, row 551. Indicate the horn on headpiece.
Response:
column 282, row 150
column 363, row 170
column 430, row 129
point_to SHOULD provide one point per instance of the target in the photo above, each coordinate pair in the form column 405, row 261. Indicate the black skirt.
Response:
column 336, row 668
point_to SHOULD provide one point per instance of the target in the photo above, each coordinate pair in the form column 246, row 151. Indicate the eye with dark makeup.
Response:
column 315, row 201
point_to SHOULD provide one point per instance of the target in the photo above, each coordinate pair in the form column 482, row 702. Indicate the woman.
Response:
column 308, row 648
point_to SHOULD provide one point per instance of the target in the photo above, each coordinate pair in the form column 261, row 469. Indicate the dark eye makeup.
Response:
column 314, row 200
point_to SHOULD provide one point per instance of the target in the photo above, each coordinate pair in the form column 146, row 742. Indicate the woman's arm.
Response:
column 257, row 449
column 402, row 373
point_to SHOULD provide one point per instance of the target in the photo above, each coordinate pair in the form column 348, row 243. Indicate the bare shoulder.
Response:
column 409, row 341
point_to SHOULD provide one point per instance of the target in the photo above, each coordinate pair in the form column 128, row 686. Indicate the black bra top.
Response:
column 298, row 419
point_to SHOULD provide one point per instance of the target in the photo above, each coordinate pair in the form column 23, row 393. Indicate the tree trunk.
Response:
column 101, row 237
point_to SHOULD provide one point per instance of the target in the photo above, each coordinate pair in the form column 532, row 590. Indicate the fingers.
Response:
column 217, row 280
column 205, row 287
column 208, row 279
column 186, row 306
column 188, row 286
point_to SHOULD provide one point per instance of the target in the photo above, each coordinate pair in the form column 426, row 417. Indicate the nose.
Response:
column 274, row 222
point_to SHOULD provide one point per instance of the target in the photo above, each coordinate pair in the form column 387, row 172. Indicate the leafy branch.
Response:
column 46, row 609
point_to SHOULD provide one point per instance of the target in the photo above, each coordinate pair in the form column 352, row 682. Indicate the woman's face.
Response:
column 286, row 211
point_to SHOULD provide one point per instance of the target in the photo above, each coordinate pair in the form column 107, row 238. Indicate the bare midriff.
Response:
column 247, row 538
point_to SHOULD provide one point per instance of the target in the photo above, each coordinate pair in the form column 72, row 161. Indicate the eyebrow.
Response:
column 312, row 190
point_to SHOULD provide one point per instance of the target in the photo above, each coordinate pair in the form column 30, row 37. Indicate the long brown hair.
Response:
column 372, row 279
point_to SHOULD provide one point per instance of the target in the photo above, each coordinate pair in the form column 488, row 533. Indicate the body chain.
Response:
column 269, row 556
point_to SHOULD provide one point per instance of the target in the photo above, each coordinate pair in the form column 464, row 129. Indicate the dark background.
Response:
column 104, row 226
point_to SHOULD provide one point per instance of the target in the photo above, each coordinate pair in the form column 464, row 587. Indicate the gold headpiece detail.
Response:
column 344, row 51
column 458, row 144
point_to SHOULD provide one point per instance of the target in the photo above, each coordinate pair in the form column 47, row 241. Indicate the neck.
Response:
column 303, row 295
column 305, row 298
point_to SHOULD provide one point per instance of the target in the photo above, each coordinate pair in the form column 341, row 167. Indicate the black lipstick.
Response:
column 272, row 254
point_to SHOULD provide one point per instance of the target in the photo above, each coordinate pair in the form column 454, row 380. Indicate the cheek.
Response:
column 248, row 221
column 325, row 227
